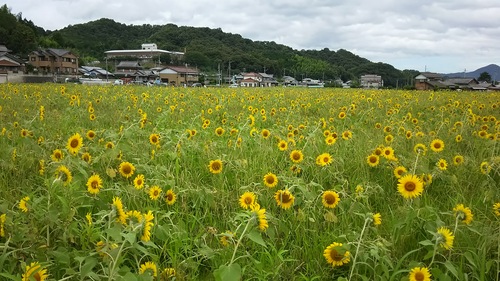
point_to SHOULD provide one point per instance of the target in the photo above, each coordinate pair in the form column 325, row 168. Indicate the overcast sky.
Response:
column 439, row 35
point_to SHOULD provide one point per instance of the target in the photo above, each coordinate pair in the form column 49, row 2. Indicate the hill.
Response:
column 492, row 69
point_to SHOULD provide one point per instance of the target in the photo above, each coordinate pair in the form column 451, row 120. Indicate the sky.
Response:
column 444, row 36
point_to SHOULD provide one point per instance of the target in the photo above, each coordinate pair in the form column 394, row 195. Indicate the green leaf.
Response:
column 230, row 272
column 130, row 237
column 426, row 243
column 10, row 276
column 86, row 269
column 452, row 269
column 256, row 237
column 469, row 257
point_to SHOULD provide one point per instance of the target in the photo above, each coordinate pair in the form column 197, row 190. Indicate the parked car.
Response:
column 118, row 82
column 234, row 85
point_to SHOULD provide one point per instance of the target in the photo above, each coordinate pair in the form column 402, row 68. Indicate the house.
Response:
column 56, row 61
column 371, row 81
column 179, row 75
column 429, row 81
column 267, row 80
column 94, row 72
column 9, row 62
column 289, row 81
column 249, row 82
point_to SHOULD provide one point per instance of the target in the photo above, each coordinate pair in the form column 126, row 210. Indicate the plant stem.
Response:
column 434, row 254
column 239, row 240
column 415, row 165
column 367, row 220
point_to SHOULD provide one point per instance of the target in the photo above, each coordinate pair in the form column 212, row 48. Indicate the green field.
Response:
column 137, row 183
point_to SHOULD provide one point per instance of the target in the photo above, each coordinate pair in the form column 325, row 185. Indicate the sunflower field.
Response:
column 151, row 183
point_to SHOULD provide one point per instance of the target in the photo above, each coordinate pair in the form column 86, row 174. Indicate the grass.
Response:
column 75, row 235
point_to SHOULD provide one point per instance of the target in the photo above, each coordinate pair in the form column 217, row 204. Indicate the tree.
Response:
column 485, row 76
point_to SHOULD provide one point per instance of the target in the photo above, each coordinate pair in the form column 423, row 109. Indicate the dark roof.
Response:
column 12, row 57
column 431, row 75
column 129, row 64
column 183, row 69
column 58, row 52
column 462, row 81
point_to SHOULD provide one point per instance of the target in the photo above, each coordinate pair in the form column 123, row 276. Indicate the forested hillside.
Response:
column 206, row 48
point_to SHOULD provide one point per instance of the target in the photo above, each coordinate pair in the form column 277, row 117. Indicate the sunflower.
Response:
column 219, row 131
column 324, row 159
column 215, row 166
column 284, row 198
column 94, row 184
column 126, row 169
column 265, row 133
column 154, row 139
column 388, row 153
column 247, row 200
column 282, row 145
column 377, row 219
column 485, row 168
column 154, row 192
column 496, row 209
column 260, row 214
column 149, row 265
column 167, row 273
column 378, row 151
column 64, row 174
column 336, row 255
column 122, row 216
column 347, row 135
column 170, row 197
column 373, row 160
column 342, row 115
column 227, row 237
column 410, row 186
column 419, row 274
column 139, row 181
column 270, row 180
column 437, row 145
column 399, row 171
column 57, row 155
column 408, row 135
column 90, row 135
column 458, row 138
column 330, row 140
column 148, row 224
column 86, row 157
column 23, row 204
column 110, row 145
column 442, row 164
column 34, row 271
column 389, row 138
column 445, row 238
column 24, row 133
column 458, row 160
column 3, row 217
column 330, row 199
column 75, row 142
column 296, row 156
column 463, row 213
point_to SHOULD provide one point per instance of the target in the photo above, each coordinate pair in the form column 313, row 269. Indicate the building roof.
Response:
column 431, row 75
column 182, row 69
column 249, row 80
column 4, row 62
column 462, row 81
column 3, row 48
column 129, row 64
column 51, row 52
column 139, row 53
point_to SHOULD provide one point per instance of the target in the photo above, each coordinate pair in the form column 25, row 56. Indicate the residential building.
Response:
column 10, row 63
column 429, row 81
column 253, row 79
column 371, row 81
column 95, row 72
column 56, row 61
column 179, row 75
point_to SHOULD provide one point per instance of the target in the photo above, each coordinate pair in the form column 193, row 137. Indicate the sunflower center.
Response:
column 419, row 276
column 373, row 159
column 37, row 276
column 269, row 179
column 154, row 139
column 410, row 186
column 326, row 159
column 74, row 143
column 169, row 197
column 248, row 200
column 139, row 182
column 127, row 170
column 336, row 256
column 285, row 198
column 330, row 199
column 437, row 145
column 155, row 193
column 94, row 184
column 296, row 156
column 216, row 166
column 400, row 172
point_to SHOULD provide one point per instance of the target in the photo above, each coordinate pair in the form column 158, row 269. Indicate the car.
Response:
column 118, row 82
column 234, row 85
column 196, row 85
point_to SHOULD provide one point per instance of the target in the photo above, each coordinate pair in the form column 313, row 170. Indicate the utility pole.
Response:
column 229, row 73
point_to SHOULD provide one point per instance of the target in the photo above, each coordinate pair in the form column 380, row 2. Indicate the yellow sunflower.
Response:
column 463, row 213
column 458, row 160
column 330, row 140
column 389, row 138
column 377, row 219
column 458, row 138
column 149, row 265
column 154, row 192
column 336, row 255
column 126, row 169
column 282, row 145
column 94, row 184
column 265, row 133
column 57, row 155
column 330, row 199
column 90, row 134
column 148, row 224
column 64, row 174
column 437, row 145
column 347, row 135
column 270, row 180
column 86, row 157
column 154, row 139
column 496, row 209
column 284, row 198
column 410, row 186
column 139, row 181
column 260, row 215
column 227, row 237
column 74, row 144
column 170, row 197
column 420, row 148
column 388, row 153
column 215, row 166
column 35, row 271
column 442, row 164
column 373, row 160
column 219, row 131
column 324, row 159
column 445, row 238
column 399, row 171
column 247, row 199
column 23, row 204
column 167, row 273
column 296, row 156
column 419, row 274
column 485, row 168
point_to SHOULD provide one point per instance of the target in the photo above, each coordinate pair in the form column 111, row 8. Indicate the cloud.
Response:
column 443, row 34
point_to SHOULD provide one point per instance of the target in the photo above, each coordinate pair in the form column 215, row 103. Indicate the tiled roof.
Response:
column 183, row 69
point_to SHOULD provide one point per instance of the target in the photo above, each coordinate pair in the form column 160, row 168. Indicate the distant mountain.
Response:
column 492, row 69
